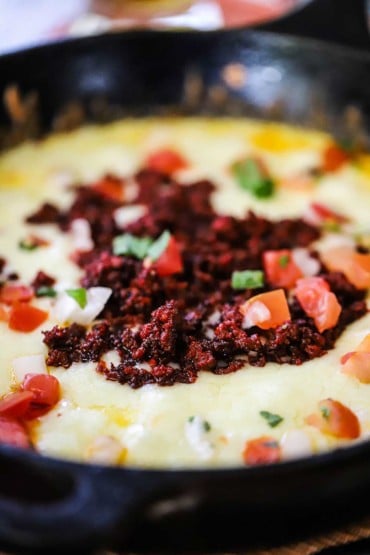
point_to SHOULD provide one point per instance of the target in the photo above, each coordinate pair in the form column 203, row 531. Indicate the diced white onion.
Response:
column 257, row 312
column 32, row 364
column 128, row 214
column 196, row 436
column 334, row 241
column 294, row 444
column 105, row 450
column 308, row 265
column 66, row 309
column 81, row 235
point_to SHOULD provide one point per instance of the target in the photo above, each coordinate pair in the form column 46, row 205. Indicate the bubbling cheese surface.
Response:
column 164, row 426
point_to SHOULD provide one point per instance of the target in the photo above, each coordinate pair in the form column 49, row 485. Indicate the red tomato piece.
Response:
column 10, row 294
column 166, row 161
column 4, row 315
column 354, row 265
column 170, row 261
column 110, row 187
column 280, row 268
column 15, row 405
column 335, row 419
column 325, row 214
column 364, row 346
column 13, row 433
column 277, row 309
column 44, row 387
column 333, row 158
column 318, row 302
column 357, row 365
column 26, row 318
column 262, row 450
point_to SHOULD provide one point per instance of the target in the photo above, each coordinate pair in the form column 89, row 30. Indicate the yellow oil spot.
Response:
column 119, row 416
column 276, row 138
column 363, row 163
column 10, row 178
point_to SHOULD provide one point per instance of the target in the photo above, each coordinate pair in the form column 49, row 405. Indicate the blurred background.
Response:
column 28, row 22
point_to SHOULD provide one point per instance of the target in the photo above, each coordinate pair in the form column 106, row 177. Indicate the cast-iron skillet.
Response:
column 56, row 505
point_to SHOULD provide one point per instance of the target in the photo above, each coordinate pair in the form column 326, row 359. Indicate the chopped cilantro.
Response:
column 79, row 295
column 206, row 425
column 27, row 245
column 130, row 245
column 325, row 412
column 191, row 419
column 331, row 225
column 156, row 249
column 45, row 291
column 272, row 420
column 247, row 279
column 251, row 177
column 284, row 260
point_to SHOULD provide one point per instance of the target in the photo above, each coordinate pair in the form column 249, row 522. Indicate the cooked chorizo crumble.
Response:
column 168, row 326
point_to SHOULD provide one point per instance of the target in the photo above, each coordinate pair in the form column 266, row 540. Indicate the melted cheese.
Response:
column 152, row 423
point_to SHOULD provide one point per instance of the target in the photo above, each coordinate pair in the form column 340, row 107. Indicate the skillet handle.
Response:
column 49, row 505
column 340, row 21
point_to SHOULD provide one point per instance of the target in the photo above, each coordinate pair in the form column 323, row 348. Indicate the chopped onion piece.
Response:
column 106, row 450
column 81, row 235
column 308, row 265
column 66, row 309
column 128, row 214
column 335, row 240
column 32, row 364
column 257, row 312
column 195, row 432
column 294, row 444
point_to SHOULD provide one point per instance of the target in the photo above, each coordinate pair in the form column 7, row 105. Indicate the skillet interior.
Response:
column 53, row 504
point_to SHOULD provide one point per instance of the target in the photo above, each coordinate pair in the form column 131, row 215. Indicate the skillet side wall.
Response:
column 146, row 73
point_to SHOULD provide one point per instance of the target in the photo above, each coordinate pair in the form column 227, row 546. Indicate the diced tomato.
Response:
column 15, row 405
column 110, row 187
column 364, row 346
column 344, row 358
column 318, row 302
column 358, row 365
column 4, row 315
column 166, row 161
column 26, row 318
column 262, row 450
column 44, row 387
column 10, row 294
column 13, row 433
column 276, row 314
column 354, row 265
column 280, row 268
column 333, row 158
column 335, row 419
column 170, row 261
column 326, row 214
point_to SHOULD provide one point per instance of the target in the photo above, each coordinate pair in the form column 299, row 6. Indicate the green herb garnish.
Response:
column 27, row 245
column 206, row 426
column 247, row 279
column 331, row 225
column 284, row 260
column 45, row 291
column 130, row 245
column 325, row 412
column 156, row 249
column 272, row 420
column 191, row 419
column 252, row 178
column 79, row 295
